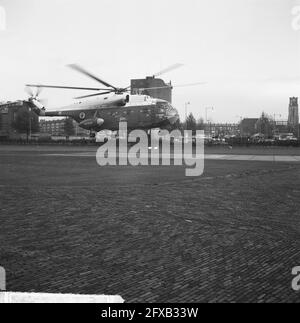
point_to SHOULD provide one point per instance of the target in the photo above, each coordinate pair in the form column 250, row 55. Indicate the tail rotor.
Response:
column 34, row 101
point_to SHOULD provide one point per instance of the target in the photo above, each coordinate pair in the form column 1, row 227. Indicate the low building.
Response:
column 281, row 127
column 12, row 126
column 53, row 127
column 221, row 129
column 56, row 128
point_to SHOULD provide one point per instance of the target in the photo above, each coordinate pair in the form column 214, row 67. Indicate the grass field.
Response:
column 149, row 233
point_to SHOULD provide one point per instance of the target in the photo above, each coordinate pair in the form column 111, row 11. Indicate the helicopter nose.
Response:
column 173, row 120
column 173, row 116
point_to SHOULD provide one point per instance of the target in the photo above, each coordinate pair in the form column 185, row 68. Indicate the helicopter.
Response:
column 110, row 105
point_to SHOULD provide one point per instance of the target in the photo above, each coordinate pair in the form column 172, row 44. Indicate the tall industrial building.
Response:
column 145, row 86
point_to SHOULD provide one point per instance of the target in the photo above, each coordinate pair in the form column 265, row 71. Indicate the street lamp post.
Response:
column 240, row 125
column 206, row 117
column 29, row 110
column 30, row 133
column 186, row 109
column 275, row 125
column 186, row 113
column 240, row 117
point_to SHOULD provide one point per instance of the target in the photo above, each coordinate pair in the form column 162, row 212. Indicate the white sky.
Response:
column 246, row 50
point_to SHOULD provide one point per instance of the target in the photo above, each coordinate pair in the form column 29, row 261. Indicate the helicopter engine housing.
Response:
column 91, row 123
column 117, row 100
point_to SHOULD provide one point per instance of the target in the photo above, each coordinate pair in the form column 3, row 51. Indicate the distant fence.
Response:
column 246, row 142
column 262, row 143
column 82, row 142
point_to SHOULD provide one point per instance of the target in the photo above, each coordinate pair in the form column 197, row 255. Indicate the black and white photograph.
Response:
column 149, row 154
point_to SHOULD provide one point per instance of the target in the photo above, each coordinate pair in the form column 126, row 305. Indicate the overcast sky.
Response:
column 246, row 50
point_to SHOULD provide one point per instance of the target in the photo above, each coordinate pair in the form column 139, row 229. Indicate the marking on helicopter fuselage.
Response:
column 82, row 115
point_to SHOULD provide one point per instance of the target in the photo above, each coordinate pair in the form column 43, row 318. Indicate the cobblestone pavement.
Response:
column 150, row 234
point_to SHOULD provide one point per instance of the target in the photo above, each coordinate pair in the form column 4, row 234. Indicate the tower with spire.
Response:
column 293, row 120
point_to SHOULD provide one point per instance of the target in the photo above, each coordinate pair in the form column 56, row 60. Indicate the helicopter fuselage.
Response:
column 139, row 111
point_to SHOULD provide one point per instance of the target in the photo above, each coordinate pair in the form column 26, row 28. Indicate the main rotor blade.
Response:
column 155, row 88
column 65, row 87
column 171, row 86
column 91, row 95
column 83, row 71
column 43, row 101
column 191, row 84
column 29, row 91
column 126, row 88
column 168, row 69
column 39, row 91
